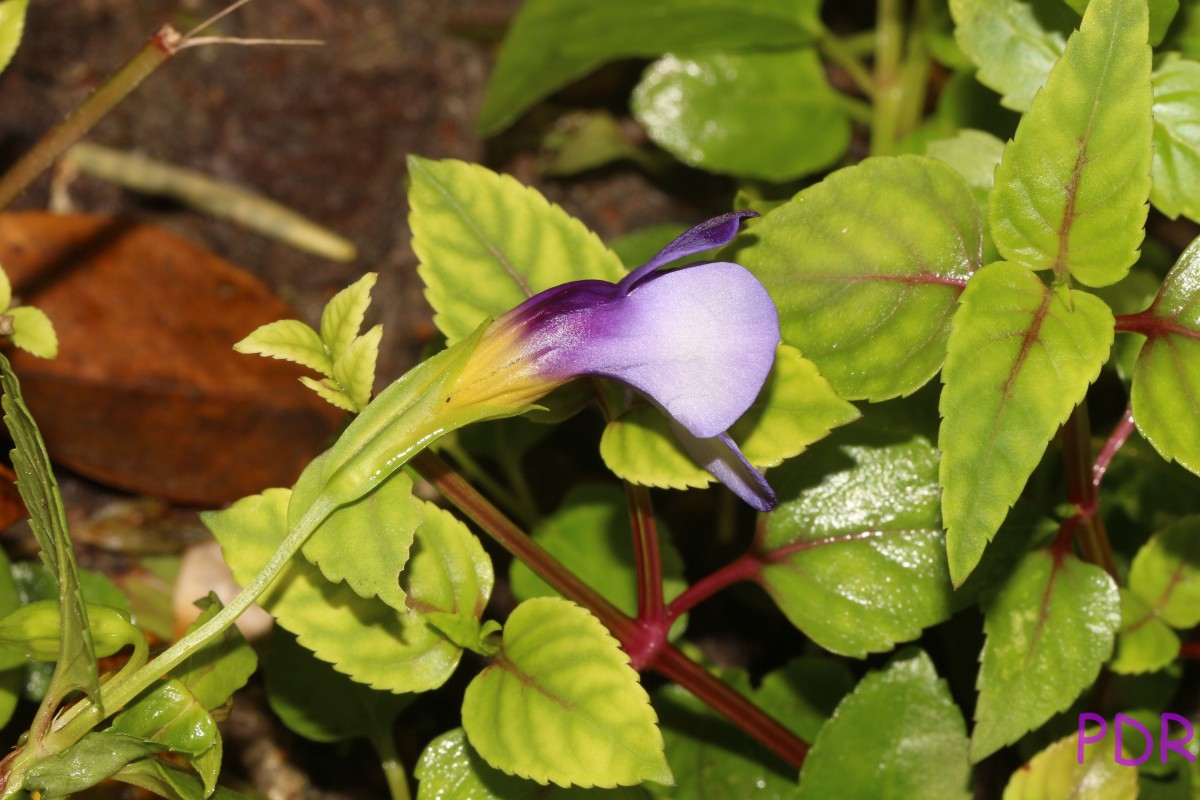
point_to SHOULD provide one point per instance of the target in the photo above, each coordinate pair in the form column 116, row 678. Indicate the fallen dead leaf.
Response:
column 147, row 393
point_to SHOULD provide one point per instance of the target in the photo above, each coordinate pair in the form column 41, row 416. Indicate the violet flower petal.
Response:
column 715, row 232
column 725, row 462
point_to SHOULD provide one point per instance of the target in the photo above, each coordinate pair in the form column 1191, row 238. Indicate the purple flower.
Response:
column 698, row 341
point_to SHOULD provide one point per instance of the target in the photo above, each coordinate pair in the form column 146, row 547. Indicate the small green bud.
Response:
column 33, row 630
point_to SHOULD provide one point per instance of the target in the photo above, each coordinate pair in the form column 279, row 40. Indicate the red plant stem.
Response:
column 1086, row 525
column 1190, row 650
column 647, row 558
column 658, row 655
column 1116, row 441
column 743, row 569
column 153, row 54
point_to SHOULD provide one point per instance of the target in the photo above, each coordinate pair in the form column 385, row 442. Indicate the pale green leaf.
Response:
column 796, row 407
column 354, row 369
column 1072, row 187
column 560, row 703
column 5, row 283
column 169, row 781
column 365, row 543
column 583, row 140
column 1166, row 377
column 33, row 331
column 1166, row 573
column 974, row 154
column 864, row 292
column 339, row 710
column 12, row 675
column 331, row 393
column 854, row 555
column 289, row 340
column 898, row 729
column 708, row 111
column 343, row 315
column 487, row 243
column 12, row 26
column 1145, row 643
column 98, row 755
column 169, row 715
column 450, row 769
column 1014, row 43
column 1175, row 170
column 1056, row 772
column 1162, row 12
column 367, row 639
column 553, row 42
column 214, row 672
column 1049, row 630
column 1021, row 357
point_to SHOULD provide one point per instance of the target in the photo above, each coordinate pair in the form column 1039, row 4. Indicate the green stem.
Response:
column 153, row 54
column 889, row 49
column 914, row 72
column 836, row 50
column 393, row 767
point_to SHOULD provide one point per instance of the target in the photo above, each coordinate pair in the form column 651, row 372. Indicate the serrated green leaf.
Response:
column 1049, row 630
column 367, row 639
column 487, row 243
column 796, row 407
column 1056, row 772
column 169, row 715
column 1145, row 643
column 354, row 369
column 888, row 732
column 343, row 315
column 12, row 26
column 1014, row 43
column 76, row 665
column 450, row 769
column 93, row 758
column 1021, row 357
column 589, row 535
column 862, row 291
column 331, row 393
column 221, row 667
column 974, row 155
column 1072, row 187
column 708, row 111
column 553, row 42
column 289, row 340
column 1162, row 12
column 854, row 554
column 1175, row 169
column 365, row 543
column 33, row 331
column 1166, row 573
column 341, row 710
column 560, row 704
column 1166, row 377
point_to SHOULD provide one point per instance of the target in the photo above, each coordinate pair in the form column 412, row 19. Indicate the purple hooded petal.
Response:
column 699, row 342
column 715, row 232
column 725, row 462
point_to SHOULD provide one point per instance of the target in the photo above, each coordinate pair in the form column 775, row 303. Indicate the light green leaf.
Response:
column 33, row 331
column 93, row 758
column 167, row 780
column 583, row 140
column 1049, row 630
column 1175, row 170
column 343, row 315
column 862, row 291
column 340, row 710
column 217, row 670
column 365, row 638
column 891, row 731
column 450, row 769
column 354, row 369
column 589, row 534
column 487, row 243
column 796, row 407
column 553, row 42
column 1072, row 187
column 560, row 704
column 1166, row 573
column 1145, row 643
column 328, row 390
column 1056, row 773
column 974, row 155
column 12, row 26
column 365, row 543
column 1014, row 43
column 1162, row 12
column 169, row 715
column 708, row 111
column 1021, row 357
column 854, row 554
column 288, row 340
column 12, row 676
column 1166, row 377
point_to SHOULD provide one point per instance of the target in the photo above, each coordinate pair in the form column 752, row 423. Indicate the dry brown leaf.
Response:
column 147, row 393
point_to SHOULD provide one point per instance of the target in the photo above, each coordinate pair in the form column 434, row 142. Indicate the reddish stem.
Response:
column 1190, row 650
column 647, row 558
column 1148, row 323
column 1116, row 441
column 743, row 569
column 1085, row 525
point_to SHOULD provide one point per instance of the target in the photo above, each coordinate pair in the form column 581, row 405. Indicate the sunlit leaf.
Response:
column 354, row 368
column 1166, row 573
column 1176, row 166
column 487, row 243
column 1162, row 12
column 33, row 331
column 12, row 25
column 974, row 154
column 1058, row 772
column 1021, row 357
column 1145, row 643
column 553, row 42
column 1049, row 630
column 560, row 704
column 862, row 291
column 709, row 110
column 1072, row 187
column 343, row 315
column 217, row 670
column 889, row 732
column 328, row 390
column 290, row 340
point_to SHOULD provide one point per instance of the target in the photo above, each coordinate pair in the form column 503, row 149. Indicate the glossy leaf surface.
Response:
column 560, row 704
column 1049, row 630
column 1056, row 772
column 862, row 291
column 1166, row 573
column 1021, row 357
column 93, row 758
column 169, row 715
column 1145, row 643
column 1175, row 169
